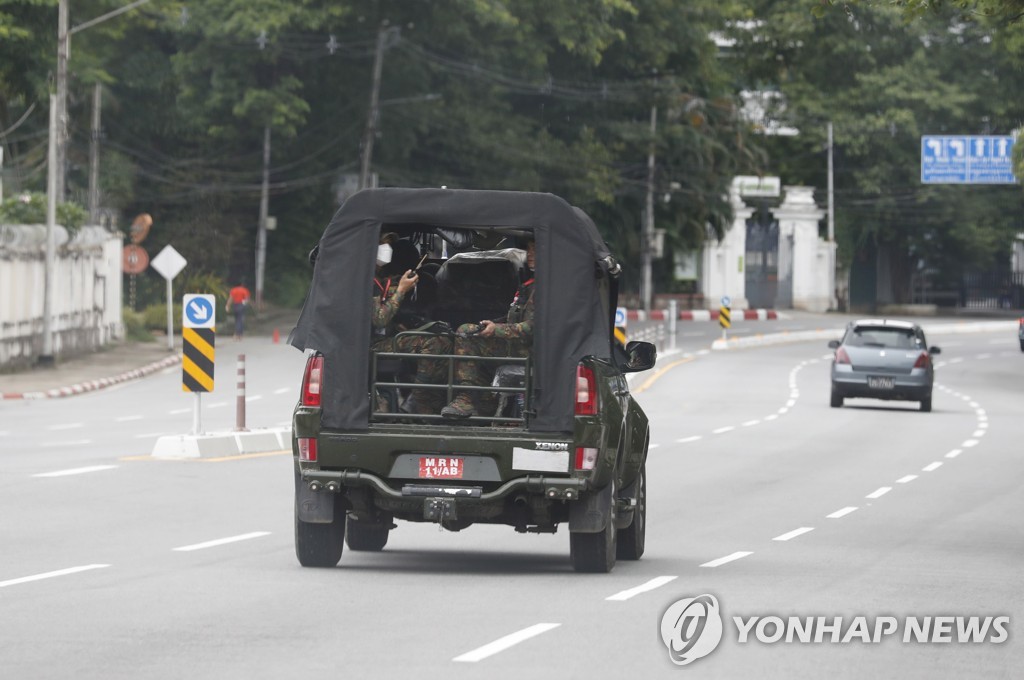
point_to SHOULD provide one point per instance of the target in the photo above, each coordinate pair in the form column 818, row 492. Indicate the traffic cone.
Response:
column 277, row 336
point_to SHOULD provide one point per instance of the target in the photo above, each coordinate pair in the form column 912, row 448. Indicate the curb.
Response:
column 702, row 315
column 222, row 444
column 92, row 385
column 837, row 333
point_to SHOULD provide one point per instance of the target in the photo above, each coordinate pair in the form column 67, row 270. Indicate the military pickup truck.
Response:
column 557, row 438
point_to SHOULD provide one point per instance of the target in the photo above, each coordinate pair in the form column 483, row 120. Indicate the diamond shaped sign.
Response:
column 168, row 262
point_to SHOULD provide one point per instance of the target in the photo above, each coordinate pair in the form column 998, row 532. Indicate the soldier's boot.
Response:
column 486, row 403
column 461, row 407
column 424, row 402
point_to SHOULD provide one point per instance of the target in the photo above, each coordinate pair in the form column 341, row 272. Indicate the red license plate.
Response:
column 441, row 467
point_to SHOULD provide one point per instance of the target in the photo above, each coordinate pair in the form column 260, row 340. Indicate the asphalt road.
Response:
column 115, row 565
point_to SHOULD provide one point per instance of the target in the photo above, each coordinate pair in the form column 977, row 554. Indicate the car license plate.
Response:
column 441, row 467
column 881, row 383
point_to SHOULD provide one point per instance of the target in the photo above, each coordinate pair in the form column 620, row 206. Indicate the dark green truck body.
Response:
column 584, row 469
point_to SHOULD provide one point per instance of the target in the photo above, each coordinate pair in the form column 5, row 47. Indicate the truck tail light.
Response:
column 307, row 449
column 586, row 391
column 313, row 380
column 586, row 458
column 842, row 357
column 922, row 361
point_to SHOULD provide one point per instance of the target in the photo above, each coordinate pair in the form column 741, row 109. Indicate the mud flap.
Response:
column 589, row 514
column 313, row 507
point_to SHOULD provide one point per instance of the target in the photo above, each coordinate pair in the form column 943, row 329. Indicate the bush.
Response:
column 155, row 317
column 30, row 208
column 135, row 326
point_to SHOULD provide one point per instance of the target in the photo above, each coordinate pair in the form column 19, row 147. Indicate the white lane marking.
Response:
column 978, row 433
column 981, row 414
column 75, row 471
column 652, row 446
column 178, row 411
column 51, row 574
column 932, row 467
column 791, row 403
column 222, row 541
column 658, row 582
column 728, row 558
column 66, row 426
column 842, row 512
column 904, row 480
column 282, row 390
column 253, row 398
column 149, row 434
column 954, row 453
column 984, row 356
column 125, row 419
column 751, row 423
column 501, row 644
column 982, row 425
column 793, row 534
column 969, row 443
column 975, row 405
column 956, row 361
column 218, row 404
column 723, row 430
column 879, row 492
column 687, row 440
column 75, row 442
column 783, row 410
column 703, row 352
column 772, row 416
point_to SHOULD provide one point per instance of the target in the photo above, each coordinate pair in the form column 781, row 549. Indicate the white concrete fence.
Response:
column 86, row 297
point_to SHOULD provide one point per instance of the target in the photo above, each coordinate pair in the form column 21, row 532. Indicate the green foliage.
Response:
column 155, row 317
column 30, row 208
column 135, row 326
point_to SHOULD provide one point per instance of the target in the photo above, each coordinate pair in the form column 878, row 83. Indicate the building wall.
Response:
column 86, row 298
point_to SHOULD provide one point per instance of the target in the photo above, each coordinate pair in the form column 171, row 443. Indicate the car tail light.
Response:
column 586, row 458
column 313, row 380
column 307, row 449
column 842, row 357
column 586, row 391
column 922, row 361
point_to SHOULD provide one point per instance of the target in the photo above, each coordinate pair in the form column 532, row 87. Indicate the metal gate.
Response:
column 762, row 259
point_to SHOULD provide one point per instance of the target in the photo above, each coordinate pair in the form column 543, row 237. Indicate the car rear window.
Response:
column 883, row 336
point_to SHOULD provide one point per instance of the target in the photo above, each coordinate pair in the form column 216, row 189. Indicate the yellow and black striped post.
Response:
column 197, row 359
column 724, row 319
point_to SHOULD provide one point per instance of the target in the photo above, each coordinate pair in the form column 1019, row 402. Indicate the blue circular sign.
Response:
column 199, row 311
column 726, row 301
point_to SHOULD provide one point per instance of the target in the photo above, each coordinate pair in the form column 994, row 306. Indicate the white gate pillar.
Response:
column 724, row 270
column 811, row 263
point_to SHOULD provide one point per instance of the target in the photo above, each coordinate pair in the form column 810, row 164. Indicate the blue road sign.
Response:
column 967, row 159
column 198, row 311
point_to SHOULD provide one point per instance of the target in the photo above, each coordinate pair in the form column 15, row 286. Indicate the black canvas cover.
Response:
column 570, row 319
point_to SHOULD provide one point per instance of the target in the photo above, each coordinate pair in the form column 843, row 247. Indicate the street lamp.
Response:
column 55, row 180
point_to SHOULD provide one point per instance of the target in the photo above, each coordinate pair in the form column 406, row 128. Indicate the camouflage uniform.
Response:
column 428, row 371
column 514, row 338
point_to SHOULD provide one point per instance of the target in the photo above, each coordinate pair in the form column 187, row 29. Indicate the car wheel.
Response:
column 595, row 553
column 926, row 404
column 1022, row 345
column 366, row 536
column 631, row 541
column 320, row 545
column 837, row 399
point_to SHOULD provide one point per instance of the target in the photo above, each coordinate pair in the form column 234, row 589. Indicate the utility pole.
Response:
column 648, row 233
column 63, row 53
column 831, row 207
column 94, row 156
column 371, row 119
column 261, row 234
column 46, row 356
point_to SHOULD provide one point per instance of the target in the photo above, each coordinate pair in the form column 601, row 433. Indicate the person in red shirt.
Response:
column 238, row 300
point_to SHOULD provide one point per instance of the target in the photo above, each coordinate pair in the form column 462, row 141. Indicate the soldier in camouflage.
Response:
column 513, row 338
column 387, row 299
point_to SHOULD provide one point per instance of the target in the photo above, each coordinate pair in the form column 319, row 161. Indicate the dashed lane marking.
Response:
column 65, row 426
column 842, row 512
column 932, row 467
column 879, row 492
column 751, row 423
column 51, row 574
column 658, row 582
column 906, row 479
column 793, row 534
column 687, row 440
column 125, row 419
column 954, row 453
column 723, row 430
column 728, row 558
column 76, row 471
column 501, row 644
column 221, row 541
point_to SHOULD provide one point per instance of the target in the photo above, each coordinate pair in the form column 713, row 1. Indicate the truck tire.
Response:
column 320, row 545
column 595, row 552
column 630, row 543
column 366, row 536
column 837, row 399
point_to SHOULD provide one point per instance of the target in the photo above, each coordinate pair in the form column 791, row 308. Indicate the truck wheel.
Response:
column 320, row 545
column 631, row 541
column 363, row 535
column 595, row 553
column 837, row 399
column 1022, row 344
column 926, row 404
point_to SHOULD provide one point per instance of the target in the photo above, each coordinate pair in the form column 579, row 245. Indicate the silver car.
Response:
column 883, row 359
